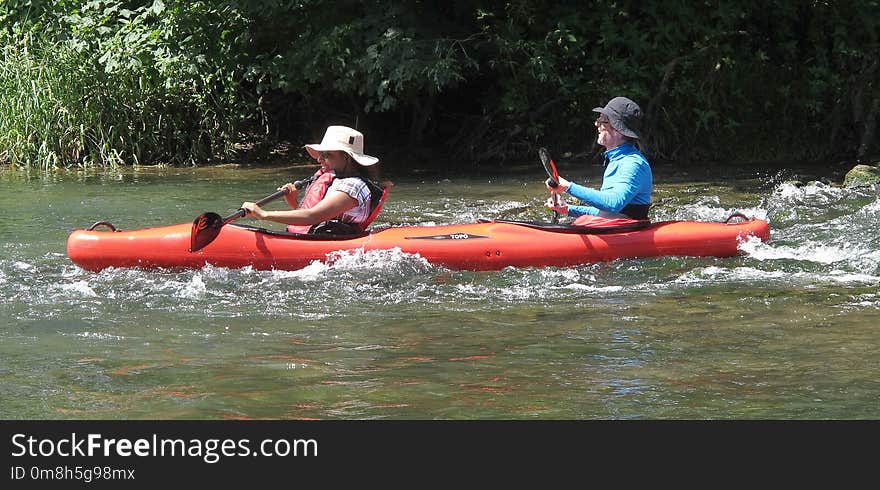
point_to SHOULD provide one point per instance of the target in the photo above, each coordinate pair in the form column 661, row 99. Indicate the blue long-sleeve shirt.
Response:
column 627, row 180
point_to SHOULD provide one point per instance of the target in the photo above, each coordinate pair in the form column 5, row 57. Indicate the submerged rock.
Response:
column 862, row 175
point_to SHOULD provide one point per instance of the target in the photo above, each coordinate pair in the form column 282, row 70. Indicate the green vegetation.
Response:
column 104, row 82
column 109, row 82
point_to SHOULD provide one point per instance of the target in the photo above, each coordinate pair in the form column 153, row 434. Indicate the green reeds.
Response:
column 60, row 107
column 45, row 116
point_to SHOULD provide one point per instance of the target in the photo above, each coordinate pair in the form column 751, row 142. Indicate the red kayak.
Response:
column 489, row 245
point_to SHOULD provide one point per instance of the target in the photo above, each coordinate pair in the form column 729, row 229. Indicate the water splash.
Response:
column 814, row 194
column 708, row 208
column 78, row 288
column 194, row 289
column 820, row 253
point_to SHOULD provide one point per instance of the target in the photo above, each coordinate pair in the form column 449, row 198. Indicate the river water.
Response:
column 787, row 330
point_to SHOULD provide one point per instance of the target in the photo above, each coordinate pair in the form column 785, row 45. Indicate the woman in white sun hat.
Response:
column 343, row 197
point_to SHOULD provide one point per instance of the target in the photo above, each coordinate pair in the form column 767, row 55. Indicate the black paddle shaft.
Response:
column 299, row 184
column 242, row 211
column 206, row 226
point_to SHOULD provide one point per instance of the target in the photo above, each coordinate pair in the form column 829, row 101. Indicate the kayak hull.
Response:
column 470, row 246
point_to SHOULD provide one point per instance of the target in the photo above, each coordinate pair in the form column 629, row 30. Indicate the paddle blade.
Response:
column 549, row 166
column 205, row 229
column 207, row 226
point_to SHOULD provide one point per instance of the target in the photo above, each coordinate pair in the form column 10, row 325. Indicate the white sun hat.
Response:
column 343, row 138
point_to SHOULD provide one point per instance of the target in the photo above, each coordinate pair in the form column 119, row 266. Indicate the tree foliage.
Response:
column 184, row 81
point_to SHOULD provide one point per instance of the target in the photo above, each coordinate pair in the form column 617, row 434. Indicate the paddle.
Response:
column 206, row 226
column 550, row 168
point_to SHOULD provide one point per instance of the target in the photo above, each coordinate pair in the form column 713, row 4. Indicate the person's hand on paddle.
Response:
column 555, row 203
column 254, row 210
column 291, row 193
column 562, row 185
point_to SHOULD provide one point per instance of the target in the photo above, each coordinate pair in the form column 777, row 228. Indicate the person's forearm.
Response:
column 294, row 217
column 608, row 200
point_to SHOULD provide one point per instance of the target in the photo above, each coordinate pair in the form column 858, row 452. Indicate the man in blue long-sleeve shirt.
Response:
column 627, row 182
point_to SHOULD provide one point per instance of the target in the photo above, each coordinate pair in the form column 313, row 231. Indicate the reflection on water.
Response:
column 787, row 330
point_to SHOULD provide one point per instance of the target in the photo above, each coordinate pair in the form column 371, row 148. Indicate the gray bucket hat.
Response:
column 624, row 116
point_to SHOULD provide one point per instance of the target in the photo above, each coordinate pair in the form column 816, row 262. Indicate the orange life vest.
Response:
column 318, row 189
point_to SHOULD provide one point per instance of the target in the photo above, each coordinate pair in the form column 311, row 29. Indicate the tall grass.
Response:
column 44, row 121
column 59, row 106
